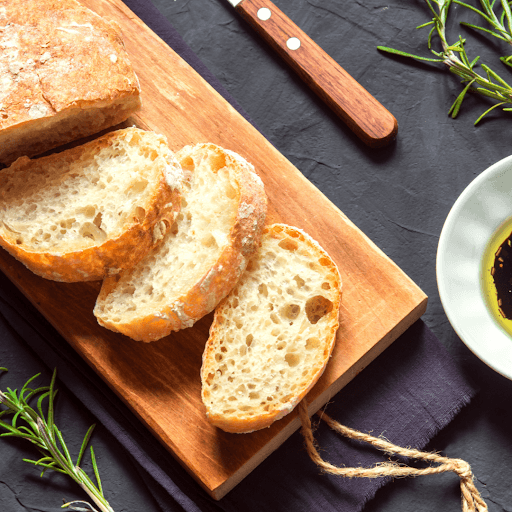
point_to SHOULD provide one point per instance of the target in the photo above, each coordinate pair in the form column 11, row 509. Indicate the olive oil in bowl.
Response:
column 497, row 276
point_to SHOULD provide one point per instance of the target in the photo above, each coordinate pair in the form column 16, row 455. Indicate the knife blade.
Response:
column 360, row 111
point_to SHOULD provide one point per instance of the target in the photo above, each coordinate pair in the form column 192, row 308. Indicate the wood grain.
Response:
column 362, row 113
column 160, row 381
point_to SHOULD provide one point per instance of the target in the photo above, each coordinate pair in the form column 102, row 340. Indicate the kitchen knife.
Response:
column 362, row 113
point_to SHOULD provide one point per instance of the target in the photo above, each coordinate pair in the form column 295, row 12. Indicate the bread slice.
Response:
column 272, row 336
column 64, row 74
column 93, row 210
column 202, row 257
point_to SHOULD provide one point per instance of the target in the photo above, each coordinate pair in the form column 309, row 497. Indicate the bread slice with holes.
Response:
column 93, row 210
column 202, row 257
column 272, row 336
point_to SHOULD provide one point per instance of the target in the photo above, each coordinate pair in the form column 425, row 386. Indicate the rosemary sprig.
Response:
column 455, row 57
column 44, row 434
column 499, row 29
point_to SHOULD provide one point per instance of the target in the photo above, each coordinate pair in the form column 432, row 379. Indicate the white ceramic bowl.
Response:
column 483, row 207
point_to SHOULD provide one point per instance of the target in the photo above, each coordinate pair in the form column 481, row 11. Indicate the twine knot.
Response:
column 470, row 496
column 461, row 468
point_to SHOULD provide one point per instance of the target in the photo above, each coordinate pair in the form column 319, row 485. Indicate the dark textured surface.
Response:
column 399, row 196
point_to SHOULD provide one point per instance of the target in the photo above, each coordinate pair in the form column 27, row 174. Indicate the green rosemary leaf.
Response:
column 43, row 462
column 507, row 13
column 459, row 100
column 507, row 60
column 46, row 459
column 27, row 431
column 96, row 472
column 40, row 407
column 405, row 54
column 464, row 57
column 474, row 62
column 487, row 111
column 85, row 442
column 52, row 466
column 8, row 427
column 51, row 397
column 34, row 392
column 499, row 36
column 25, row 387
column 429, row 39
column 426, row 24
column 15, row 419
column 434, row 12
column 454, row 109
column 11, row 394
column 463, row 73
column 495, row 75
column 489, row 94
column 455, row 48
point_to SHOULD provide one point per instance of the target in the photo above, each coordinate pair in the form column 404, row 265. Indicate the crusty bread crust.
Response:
column 220, row 359
column 200, row 299
column 68, row 262
column 64, row 74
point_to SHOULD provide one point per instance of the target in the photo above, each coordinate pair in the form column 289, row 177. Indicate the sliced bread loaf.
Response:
column 92, row 210
column 203, row 255
column 64, row 74
column 272, row 336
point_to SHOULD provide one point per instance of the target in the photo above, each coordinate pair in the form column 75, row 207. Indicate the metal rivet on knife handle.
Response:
column 264, row 13
column 362, row 113
column 293, row 43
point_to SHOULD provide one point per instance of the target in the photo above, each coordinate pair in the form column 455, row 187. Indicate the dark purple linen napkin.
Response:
column 408, row 394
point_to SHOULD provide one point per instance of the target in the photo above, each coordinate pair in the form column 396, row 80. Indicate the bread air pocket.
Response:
column 272, row 336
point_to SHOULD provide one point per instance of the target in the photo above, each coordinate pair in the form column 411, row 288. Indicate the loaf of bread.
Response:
column 92, row 210
column 203, row 255
column 272, row 336
column 64, row 74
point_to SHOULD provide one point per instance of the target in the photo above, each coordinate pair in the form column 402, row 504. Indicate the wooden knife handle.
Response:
column 364, row 115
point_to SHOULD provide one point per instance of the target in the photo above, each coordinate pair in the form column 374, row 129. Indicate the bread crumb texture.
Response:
column 203, row 255
column 120, row 188
column 273, row 334
column 64, row 74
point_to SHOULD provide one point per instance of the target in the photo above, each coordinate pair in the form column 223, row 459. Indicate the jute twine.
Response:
column 471, row 499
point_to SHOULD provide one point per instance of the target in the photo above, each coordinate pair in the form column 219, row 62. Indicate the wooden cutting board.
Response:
column 160, row 381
